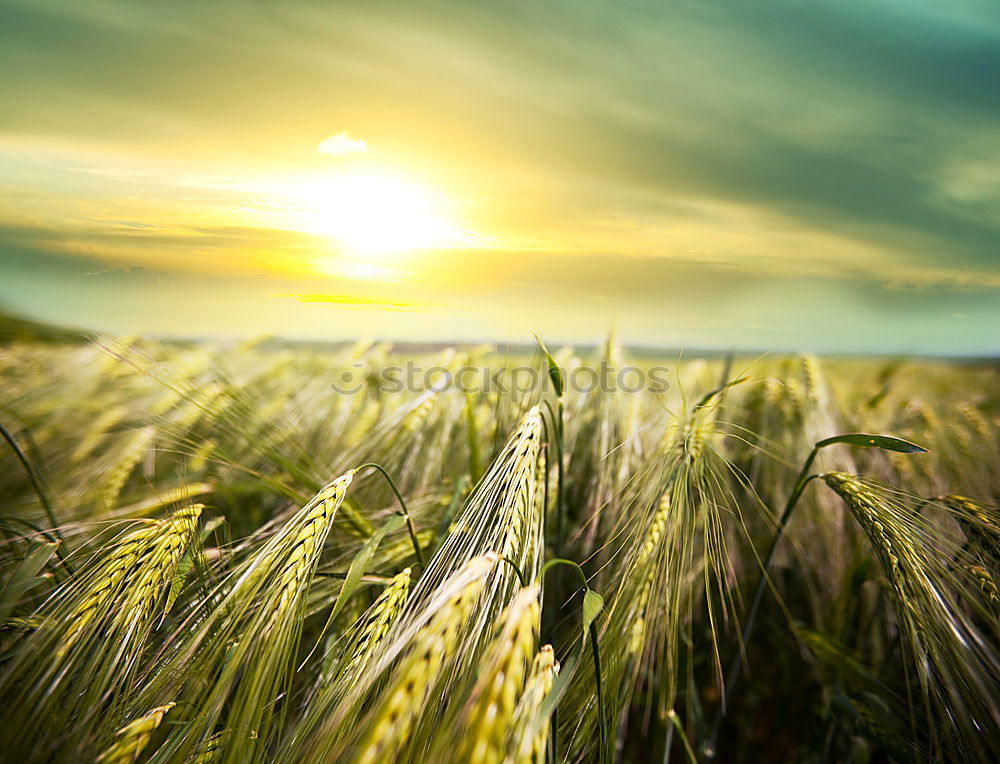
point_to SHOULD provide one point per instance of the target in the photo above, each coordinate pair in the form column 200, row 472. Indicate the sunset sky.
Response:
column 780, row 175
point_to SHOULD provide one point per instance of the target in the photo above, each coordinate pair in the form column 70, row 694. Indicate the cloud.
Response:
column 342, row 143
column 134, row 273
column 353, row 301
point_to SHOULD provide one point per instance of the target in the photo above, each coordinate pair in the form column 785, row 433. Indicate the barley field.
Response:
column 215, row 552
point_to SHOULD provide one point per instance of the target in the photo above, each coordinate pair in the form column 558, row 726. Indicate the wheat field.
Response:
column 210, row 554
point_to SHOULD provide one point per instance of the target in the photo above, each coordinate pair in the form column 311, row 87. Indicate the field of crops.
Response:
column 216, row 552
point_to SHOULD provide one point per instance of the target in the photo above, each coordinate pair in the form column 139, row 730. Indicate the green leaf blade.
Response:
column 359, row 565
column 555, row 373
column 865, row 440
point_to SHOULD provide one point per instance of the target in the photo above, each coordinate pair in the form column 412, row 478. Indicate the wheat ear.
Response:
column 134, row 737
column 415, row 676
column 487, row 720
column 530, row 730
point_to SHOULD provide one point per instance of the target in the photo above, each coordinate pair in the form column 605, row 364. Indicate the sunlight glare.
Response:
column 374, row 214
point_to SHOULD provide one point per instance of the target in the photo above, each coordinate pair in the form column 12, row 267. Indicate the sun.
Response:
column 375, row 214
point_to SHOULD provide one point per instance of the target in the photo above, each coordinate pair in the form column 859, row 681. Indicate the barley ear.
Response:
column 134, row 737
column 407, row 692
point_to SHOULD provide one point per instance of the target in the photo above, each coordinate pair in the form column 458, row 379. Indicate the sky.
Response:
column 767, row 175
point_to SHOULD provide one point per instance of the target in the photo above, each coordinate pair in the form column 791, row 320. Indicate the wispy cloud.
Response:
column 353, row 301
column 135, row 272
column 340, row 144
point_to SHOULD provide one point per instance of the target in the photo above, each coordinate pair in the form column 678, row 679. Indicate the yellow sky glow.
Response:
column 372, row 213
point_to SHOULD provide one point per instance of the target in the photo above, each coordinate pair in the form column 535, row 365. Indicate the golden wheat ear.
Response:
column 384, row 714
column 933, row 580
column 481, row 730
column 246, row 642
column 349, row 659
column 80, row 666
